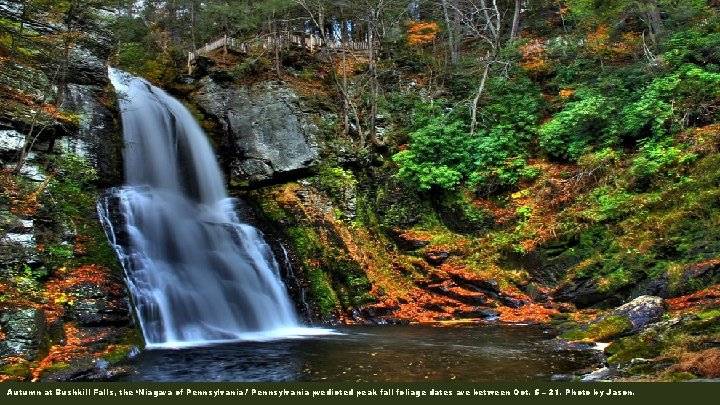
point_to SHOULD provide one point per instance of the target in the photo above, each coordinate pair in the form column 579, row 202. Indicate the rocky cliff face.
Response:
column 62, row 298
column 267, row 132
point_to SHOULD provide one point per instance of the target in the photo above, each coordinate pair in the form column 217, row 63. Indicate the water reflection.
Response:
column 379, row 353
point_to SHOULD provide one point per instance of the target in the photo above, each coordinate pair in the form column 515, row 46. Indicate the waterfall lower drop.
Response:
column 197, row 275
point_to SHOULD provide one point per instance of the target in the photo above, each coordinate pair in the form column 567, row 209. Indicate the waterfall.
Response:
column 196, row 274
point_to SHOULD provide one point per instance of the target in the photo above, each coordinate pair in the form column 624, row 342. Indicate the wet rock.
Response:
column 407, row 241
column 86, row 67
column 656, row 286
column 535, row 293
column 269, row 134
column 512, row 302
column 466, row 297
column 696, row 276
column 642, row 311
column 488, row 285
column 435, row 256
column 10, row 143
column 582, row 293
column 566, row 308
column 97, row 138
column 202, row 65
column 625, row 320
column 602, row 374
column 95, row 307
column 477, row 313
column 24, row 330
column 374, row 311
column 17, row 243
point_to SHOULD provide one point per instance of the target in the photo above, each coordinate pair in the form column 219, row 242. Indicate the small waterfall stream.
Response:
column 195, row 272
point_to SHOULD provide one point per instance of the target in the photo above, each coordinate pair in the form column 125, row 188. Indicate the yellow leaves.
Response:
column 63, row 298
column 520, row 194
column 422, row 32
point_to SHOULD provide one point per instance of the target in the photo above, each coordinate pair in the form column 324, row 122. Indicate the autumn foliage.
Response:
column 535, row 58
column 422, row 32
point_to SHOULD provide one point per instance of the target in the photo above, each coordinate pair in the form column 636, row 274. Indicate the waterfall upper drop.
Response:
column 195, row 272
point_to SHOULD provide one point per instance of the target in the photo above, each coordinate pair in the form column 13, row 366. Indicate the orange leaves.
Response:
column 535, row 58
column 598, row 40
column 56, row 289
column 705, row 363
column 566, row 93
column 22, row 202
column 422, row 32
column 708, row 296
column 73, row 347
column 600, row 43
column 530, row 313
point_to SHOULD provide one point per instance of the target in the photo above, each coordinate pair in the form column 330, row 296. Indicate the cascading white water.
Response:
column 196, row 274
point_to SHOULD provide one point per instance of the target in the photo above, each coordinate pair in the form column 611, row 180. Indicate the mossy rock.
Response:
column 604, row 329
column 17, row 371
column 321, row 292
column 707, row 324
column 644, row 345
column 118, row 353
column 679, row 376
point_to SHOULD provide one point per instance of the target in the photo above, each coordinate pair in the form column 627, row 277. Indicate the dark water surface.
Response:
column 375, row 353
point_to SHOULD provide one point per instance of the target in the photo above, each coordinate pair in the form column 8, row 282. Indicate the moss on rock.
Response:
column 605, row 329
column 644, row 345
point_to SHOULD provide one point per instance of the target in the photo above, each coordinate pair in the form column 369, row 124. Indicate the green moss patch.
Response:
column 605, row 329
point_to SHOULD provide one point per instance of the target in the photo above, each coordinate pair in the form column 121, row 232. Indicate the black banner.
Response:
column 438, row 393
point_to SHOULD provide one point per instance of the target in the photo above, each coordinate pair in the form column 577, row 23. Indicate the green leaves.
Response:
column 438, row 155
column 688, row 96
column 442, row 154
column 572, row 130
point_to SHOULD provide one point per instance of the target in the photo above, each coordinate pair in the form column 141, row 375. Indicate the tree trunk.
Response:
column 491, row 27
column 476, row 100
column 372, row 66
column 276, row 30
column 452, row 41
column 655, row 23
column 192, row 25
column 516, row 20
column 346, row 105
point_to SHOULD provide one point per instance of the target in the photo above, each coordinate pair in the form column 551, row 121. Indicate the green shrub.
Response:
column 572, row 131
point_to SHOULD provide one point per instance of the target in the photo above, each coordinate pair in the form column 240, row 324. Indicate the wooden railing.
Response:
column 312, row 43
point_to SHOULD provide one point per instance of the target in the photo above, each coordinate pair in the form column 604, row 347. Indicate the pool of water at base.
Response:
column 493, row 352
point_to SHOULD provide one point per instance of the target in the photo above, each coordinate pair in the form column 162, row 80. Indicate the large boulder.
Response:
column 23, row 331
column 642, row 311
column 627, row 319
column 268, row 133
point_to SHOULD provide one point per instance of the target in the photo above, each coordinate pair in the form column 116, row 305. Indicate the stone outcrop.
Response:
column 45, row 223
column 642, row 311
column 268, row 134
column 97, row 139
column 23, row 330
